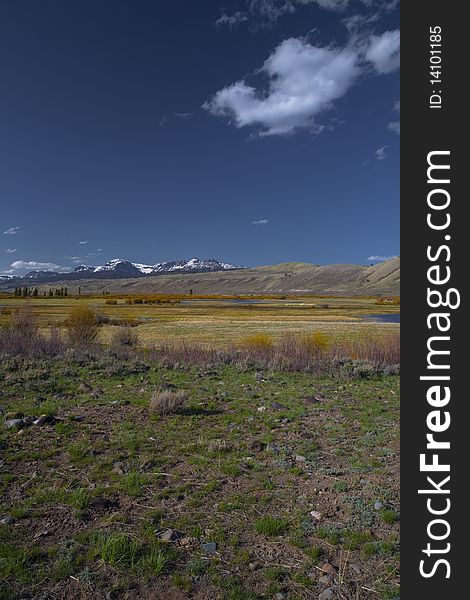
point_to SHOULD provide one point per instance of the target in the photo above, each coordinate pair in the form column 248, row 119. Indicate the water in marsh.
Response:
column 386, row 318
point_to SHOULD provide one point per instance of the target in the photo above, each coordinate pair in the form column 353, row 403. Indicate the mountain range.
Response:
column 119, row 268
column 213, row 277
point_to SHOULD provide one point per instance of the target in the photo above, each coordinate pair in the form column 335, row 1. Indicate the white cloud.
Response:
column 12, row 230
column 74, row 259
column 263, row 14
column 394, row 126
column 11, row 250
column 336, row 5
column 82, row 243
column 304, row 80
column 260, row 222
column 380, row 258
column 381, row 153
column 182, row 115
column 99, row 249
column 231, row 21
column 384, row 51
column 33, row 264
column 396, row 105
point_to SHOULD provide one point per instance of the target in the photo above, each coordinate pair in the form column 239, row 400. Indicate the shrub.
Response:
column 111, row 301
column 82, row 326
column 258, row 341
column 125, row 337
column 21, row 337
column 6, row 310
column 316, row 342
column 167, row 402
column 24, row 323
column 128, row 301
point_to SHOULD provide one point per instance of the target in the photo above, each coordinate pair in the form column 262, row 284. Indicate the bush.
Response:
column 258, row 341
column 21, row 337
column 316, row 342
column 111, row 301
column 128, row 301
column 82, row 326
column 125, row 337
column 168, row 402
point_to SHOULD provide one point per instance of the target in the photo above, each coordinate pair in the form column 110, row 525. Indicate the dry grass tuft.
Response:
column 258, row 341
column 168, row 402
column 82, row 326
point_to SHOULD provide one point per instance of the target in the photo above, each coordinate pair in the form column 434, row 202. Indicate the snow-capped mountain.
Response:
column 119, row 268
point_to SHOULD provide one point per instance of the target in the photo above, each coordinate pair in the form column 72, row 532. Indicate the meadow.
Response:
column 215, row 320
column 198, row 448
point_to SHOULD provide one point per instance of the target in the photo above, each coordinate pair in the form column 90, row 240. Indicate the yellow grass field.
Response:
column 218, row 321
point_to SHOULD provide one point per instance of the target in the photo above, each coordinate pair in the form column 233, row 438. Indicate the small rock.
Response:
column 325, row 579
column 79, row 418
column 257, row 446
column 278, row 406
column 170, row 535
column 312, row 400
column 7, row 520
column 328, row 568
column 118, row 468
column 209, row 547
column 254, row 566
column 96, row 393
column 45, row 420
column 14, row 423
column 279, row 596
column 326, row 594
column 261, row 408
column 300, row 458
column 316, row 515
column 378, row 505
column 29, row 420
column 84, row 387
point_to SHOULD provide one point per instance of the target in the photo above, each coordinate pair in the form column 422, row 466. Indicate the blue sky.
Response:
column 251, row 131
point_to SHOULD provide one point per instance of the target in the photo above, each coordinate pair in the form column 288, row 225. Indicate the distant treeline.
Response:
column 26, row 292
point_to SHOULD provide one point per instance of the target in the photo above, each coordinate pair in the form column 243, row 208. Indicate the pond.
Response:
column 386, row 318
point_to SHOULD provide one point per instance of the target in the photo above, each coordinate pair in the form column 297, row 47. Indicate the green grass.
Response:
column 197, row 473
column 271, row 526
column 389, row 516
